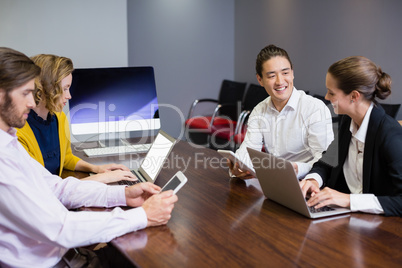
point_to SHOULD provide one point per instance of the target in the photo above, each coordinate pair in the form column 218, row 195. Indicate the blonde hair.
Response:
column 48, row 85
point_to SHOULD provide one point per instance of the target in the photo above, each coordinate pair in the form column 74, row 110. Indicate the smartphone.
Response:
column 175, row 183
column 232, row 157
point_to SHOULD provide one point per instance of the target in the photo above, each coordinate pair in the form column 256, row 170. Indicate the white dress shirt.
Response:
column 299, row 133
column 353, row 170
column 36, row 227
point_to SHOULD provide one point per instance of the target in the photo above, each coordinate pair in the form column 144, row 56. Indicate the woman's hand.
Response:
column 309, row 187
column 110, row 167
column 328, row 196
column 112, row 176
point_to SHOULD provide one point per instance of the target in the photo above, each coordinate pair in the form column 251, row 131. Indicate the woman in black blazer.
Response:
column 367, row 174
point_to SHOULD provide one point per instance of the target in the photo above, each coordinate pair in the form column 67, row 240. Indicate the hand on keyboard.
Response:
column 114, row 176
column 321, row 209
column 110, row 167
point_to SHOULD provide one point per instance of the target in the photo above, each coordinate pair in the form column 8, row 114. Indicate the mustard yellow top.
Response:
column 27, row 138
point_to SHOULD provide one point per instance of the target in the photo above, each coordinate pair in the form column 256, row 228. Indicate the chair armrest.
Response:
column 216, row 111
column 190, row 114
column 242, row 119
column 217, row 108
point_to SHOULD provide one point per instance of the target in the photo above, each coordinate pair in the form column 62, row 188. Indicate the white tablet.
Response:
column 176, row 182
column 232, row 157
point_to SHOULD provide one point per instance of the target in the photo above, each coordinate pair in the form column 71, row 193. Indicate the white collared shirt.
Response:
column 353, row 167
column 299, row 133
column 353, row 170
column 36, row 227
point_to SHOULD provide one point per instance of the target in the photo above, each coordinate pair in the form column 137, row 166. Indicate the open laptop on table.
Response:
column 154, row 159
column 279, row 183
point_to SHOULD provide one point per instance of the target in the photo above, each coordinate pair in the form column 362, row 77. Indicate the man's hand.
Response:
column 295, row 167
column 159, row 208
column 236, row 171
column 137, row 194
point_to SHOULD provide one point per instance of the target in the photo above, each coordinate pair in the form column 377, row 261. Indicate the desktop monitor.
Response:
column 112, row 102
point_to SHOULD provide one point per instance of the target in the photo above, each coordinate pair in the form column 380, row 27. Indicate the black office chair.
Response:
column 224, row 136
column 335, row 118
column 199, row 128
column 391, row 109
column 322, row 98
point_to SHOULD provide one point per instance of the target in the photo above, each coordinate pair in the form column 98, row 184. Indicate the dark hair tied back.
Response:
column 361, row 74
column 383, row 86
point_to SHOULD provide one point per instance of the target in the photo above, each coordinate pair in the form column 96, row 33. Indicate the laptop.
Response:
column 154, row 160
column 279, row 183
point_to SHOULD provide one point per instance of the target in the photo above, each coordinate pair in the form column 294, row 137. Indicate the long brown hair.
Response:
column 48, row 85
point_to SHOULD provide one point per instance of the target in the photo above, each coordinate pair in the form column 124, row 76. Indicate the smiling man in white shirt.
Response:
column 288, row 124
column 36, row 226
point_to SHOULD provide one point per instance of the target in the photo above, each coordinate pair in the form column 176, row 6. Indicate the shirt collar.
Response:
column 292, row 102
column 7, row 137
column 360, row 134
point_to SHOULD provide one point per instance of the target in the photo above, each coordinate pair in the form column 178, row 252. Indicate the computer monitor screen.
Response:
column 113, row 100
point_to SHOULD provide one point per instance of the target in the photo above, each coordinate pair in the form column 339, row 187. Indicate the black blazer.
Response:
column 382, row 161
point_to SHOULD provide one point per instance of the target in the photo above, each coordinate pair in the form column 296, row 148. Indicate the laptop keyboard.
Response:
column 124, row 182
column 116, row 150
column 322, row 209
column 129, row 183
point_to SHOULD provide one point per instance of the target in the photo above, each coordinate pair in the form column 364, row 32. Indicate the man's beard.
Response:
column 9, row 113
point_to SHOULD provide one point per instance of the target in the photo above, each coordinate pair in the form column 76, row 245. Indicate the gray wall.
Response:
column 191, row 46
column 317, row 33
column 93, row 33
column 194, row 45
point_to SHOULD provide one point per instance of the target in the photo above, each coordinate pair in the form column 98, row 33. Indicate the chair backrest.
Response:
column 322, row 98
column 231, row 92
column 254, row 95
column 391, row 109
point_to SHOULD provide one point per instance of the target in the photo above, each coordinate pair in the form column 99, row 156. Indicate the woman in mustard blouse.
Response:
column 46, row 134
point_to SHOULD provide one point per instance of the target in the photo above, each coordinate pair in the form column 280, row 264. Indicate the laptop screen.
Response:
column 156, row 156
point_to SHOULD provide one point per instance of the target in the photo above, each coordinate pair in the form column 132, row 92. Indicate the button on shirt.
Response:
column 299, row 133
column 36, row 227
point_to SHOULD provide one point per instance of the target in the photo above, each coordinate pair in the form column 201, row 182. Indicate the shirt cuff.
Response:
column 302, row 169
column 137, row 218
column 365, row 203
column 316, row 177
column 116, row 196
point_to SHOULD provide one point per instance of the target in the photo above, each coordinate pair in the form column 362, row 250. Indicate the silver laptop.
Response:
column 279, row 183
column 154, row 159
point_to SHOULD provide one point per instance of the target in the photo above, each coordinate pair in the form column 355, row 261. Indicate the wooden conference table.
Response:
column 223, row 222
